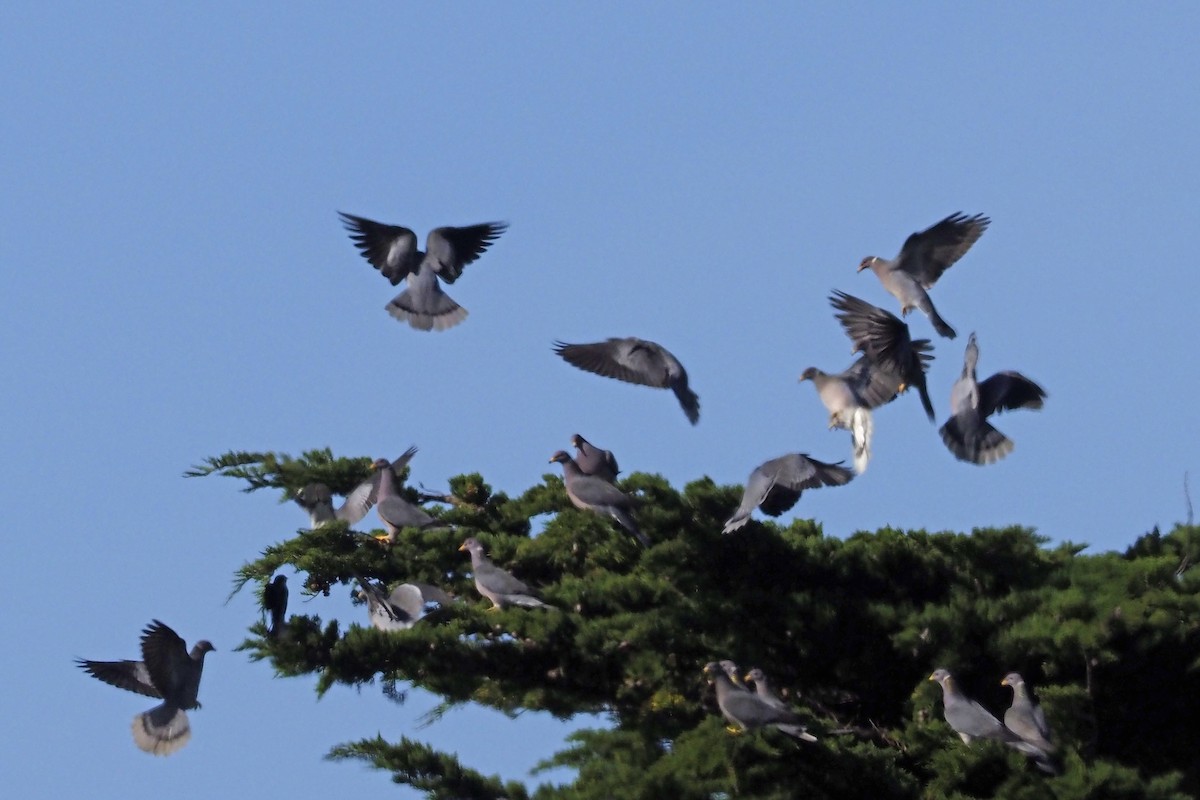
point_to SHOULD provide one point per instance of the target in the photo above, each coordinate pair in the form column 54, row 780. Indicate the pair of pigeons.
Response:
column 892, row 360
column 1024, row 727
column 380, row 491
column 392, row 249
column 752, row 710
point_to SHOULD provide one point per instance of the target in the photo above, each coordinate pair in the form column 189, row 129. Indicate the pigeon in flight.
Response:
column 167, row 671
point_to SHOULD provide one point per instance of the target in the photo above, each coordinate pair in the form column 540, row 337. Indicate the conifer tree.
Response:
column 850, row 628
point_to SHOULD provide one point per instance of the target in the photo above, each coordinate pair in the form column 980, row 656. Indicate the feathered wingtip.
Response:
column 162, row 730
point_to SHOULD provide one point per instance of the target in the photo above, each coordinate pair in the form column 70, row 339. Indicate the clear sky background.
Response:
column 701, row 174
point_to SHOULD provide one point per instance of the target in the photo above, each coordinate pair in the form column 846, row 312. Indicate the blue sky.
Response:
column 698, row 174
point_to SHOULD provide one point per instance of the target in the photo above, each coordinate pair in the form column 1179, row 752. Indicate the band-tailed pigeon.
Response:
column 168, row 672
column 317, row 499
column 850, row 395
column 745, row 709
column 1024, row 717
column 923, row 259
column 595, row 461
column 496, row 584
column 972, row 721
column 401, row 609
column 968, row 434
column 595, row 494
column 393, row 251
column 394, row 511
column 776, row 485
column 275, row 601
column 762, row 690
column 885, row 339
column 635, row 361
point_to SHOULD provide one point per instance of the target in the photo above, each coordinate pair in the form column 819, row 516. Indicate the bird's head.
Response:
column 941, row 675
column 280, row 580
column 809, row 374
column 754, row 676
column 578, row 441
column 471, row 545
column 201, row 647
column 1013, row 679
column 561, row 457
column 380, row 463
column 867, row 263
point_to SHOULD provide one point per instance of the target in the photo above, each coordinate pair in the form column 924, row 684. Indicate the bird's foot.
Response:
column 732, row 731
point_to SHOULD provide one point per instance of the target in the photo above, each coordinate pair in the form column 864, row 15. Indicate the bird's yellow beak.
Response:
column 1004, row 682
column 933, row 677
column 462, row 547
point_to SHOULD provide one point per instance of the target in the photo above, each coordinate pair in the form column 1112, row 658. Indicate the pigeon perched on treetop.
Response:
column 401, row 609
column 635, row 361
column 748, row 711
column 495, row 584
column 275, row 600
column 923, row 259
column 762, row 691
column 317, row 499
column 594, row 461
column 166, row 671
column 394, row 511
column 968, row 434
column 595, row 494
column 1025, row 717
column 776, row 485
column 393, row 251
column 885, row 339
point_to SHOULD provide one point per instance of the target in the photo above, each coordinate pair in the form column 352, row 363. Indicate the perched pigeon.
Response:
column 635, row 361
column 275, row 600
column 762, row 691
column 972, row 721
column 594, row 461
column 1025, row 717
column 595, row 494
column 884, row 338
column 166, row 671
column 776, row 485
column 393, row 251
column 745, row 709
column 923, row 259
column 968, row 434
column 401, row 609
column 495, row 584
column 317, row 499
column 396, row 512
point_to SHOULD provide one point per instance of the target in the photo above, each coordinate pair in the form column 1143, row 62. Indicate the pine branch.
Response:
column 440, row 776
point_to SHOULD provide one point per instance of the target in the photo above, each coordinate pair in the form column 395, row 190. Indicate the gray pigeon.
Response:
column 635, row 361
column 1025, row 717
column 776, row 485
column 968, row 434
column 762, row 691
column 393, row 251
column 275, row 601
column 593, row 460
column 317, row 499
column 849, row 397
column 972, row 721
column 401, row 609
column 923, row 259
column 885, row 339
column 394, row 511
column 595, row 494
column 745, row 709
column 166, row 671
column 495, row 584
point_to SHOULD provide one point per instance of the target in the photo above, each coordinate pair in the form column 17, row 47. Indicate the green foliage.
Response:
column 849, row 630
